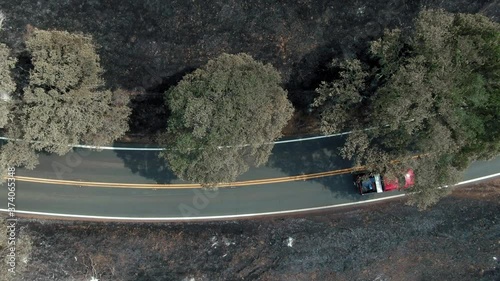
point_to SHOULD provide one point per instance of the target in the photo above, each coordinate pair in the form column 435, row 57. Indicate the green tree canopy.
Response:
column 7, row 85
column 436, row 89
column 65, row 101
column 231, row 101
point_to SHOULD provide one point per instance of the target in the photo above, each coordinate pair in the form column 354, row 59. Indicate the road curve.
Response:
column 143, row 167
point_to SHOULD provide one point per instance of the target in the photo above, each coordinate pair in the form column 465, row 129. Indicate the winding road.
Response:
column 137, row 186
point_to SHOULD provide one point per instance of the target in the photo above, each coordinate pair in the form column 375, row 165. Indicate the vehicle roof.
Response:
column 370, row 184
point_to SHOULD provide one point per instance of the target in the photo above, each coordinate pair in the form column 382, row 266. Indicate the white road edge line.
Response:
column 231, row 216
column 219, row 147
column 162, row 149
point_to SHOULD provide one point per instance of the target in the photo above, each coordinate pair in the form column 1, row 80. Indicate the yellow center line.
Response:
column 188, row 185
column 301, row 177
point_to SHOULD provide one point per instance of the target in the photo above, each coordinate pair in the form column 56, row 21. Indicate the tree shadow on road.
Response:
column 147, row 164
column 315, row 156
column 298, row 158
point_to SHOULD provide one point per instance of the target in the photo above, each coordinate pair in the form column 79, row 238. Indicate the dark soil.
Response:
column 456, row 240
column 149, row 45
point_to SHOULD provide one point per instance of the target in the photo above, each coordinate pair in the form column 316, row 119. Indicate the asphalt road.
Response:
column 145, row 167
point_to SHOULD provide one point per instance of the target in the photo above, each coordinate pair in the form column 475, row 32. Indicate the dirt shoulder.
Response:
column 456, row 240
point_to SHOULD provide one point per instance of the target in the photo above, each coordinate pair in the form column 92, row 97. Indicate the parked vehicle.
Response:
column 368, row 183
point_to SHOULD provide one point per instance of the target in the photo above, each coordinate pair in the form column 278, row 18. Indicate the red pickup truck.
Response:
column 367, row 183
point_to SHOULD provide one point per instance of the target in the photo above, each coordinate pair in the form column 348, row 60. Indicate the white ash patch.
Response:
column 227, row 242
column 2, row 18
column 361, row 11
column 214, row 241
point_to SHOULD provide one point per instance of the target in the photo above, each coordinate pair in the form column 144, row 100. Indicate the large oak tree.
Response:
column 433, row 91
column 222, row 116
column 64, row 102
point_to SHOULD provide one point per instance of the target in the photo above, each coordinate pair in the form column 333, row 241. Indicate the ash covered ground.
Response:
column 458, row 239
column 149, row 45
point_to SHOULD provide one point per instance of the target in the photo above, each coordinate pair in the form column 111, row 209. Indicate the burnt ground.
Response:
column 148, row 45
column 455, row 240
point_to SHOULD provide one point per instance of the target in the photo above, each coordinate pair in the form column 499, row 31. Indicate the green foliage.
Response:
column 63, row 61
column 233, row 100
column 18, row 154
column 434, row 174
column 389, row 49
column 436, row 90
column 339, row 98
column 449, row 87
column 7, row 85
column 65, row 102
